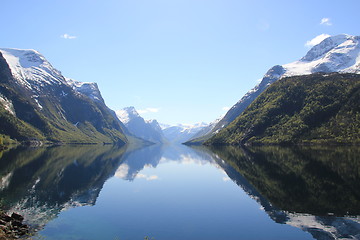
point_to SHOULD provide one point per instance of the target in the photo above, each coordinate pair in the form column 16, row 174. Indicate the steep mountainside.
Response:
column 37, row 103
column 205, row 131
column 137, row 126
column 334, row 54
column 316, row 108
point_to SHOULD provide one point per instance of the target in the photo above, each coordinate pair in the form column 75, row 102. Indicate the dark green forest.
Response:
column 312, row 109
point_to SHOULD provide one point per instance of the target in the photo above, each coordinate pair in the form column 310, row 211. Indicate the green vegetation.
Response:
column 197, row 141
column 312, row 109
column 74, row 119
column 17, row 128
column 55, row 114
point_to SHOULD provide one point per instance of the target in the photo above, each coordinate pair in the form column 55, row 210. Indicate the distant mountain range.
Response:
column 339, row 53
column 139, row 127
column 38, row 104
column 181, row 133
column 152, row 131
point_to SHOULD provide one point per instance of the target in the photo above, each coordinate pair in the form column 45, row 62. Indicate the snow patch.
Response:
column 339, row 53
column 89, row 89
column 37, row 101
column 5, row 181
column 335, row 54
column 126, row 114
column 332, row 227
column 7, row 105
column 31, row 69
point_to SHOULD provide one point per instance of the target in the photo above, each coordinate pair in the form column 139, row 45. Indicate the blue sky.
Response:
column 178, row 61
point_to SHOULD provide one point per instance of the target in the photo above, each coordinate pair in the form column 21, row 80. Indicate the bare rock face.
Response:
column 12, row 227
column 37, row 103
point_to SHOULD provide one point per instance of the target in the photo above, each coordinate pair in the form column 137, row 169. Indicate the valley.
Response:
column 282, row 163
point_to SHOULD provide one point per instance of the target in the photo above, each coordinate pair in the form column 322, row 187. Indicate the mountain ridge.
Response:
column 153, row 131
column 38, row 104
column 319, row 108
column 340, row 53
column 139, row 127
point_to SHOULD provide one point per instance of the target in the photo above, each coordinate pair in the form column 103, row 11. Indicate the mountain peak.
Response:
column 89, row 89
column 31, row 69
column 127, row 114
column 148, row 130
column 327, row 45
column 39, row 98
column 27, row 57
column 340, row 53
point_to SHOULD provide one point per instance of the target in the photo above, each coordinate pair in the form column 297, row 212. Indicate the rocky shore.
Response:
column 12, row 227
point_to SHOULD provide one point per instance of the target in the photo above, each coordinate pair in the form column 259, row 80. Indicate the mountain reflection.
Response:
column 314, row 188
column 152, row 156
column 40, row 182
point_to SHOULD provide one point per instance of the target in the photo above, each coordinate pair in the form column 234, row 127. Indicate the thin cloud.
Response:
column 326, row 22
column 152, row 177
column 148, row 110
column 147, row 178
column 68, row 36
column 226, row 108
column 225, row 179
column 316, row 40
column 122, row 171
column 140, row 175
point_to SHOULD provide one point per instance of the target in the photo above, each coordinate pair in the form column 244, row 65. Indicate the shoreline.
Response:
column 12, row 227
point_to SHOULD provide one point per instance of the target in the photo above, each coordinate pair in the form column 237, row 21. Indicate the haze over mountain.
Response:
column 39, row 103
column 339, row 53
column 139, row 127
column 182, row 132
column 152, row 131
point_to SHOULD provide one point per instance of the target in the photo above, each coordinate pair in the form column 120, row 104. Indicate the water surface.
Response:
column 177, row 192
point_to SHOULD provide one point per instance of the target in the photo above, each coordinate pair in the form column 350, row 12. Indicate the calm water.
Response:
column 177, row 192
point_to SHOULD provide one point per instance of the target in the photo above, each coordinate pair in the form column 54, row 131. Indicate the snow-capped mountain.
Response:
column 127, row 114
column 153, row 131
column 154, row 124
column 205, row 130
column 30, row 69
column 182, row 132
column 40, row 103
column 89, row 89
column 148, row 130
column 339, row 53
